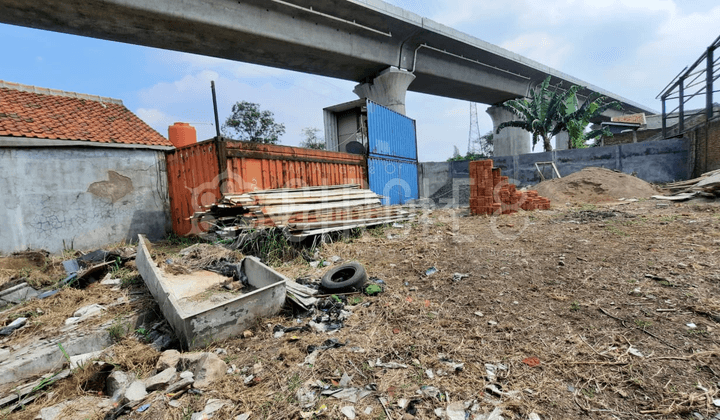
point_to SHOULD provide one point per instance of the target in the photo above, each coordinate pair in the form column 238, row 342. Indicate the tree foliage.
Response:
column 248, row 123
column 550, row 111
column 311, row 139
column 579, row 118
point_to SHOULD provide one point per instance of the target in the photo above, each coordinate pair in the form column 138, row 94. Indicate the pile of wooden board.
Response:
column 301, row 212
column 707, row 185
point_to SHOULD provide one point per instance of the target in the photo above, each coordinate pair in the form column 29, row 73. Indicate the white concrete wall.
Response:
column 84, row 198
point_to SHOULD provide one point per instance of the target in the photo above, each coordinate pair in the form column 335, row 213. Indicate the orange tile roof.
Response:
column 29, row 111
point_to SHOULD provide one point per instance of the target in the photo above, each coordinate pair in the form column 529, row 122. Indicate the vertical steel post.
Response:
column 664, row 119
column 709, row 75
column 215, row 109
column 681, row 94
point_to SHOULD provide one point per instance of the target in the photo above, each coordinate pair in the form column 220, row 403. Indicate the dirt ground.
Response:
column 600, row 295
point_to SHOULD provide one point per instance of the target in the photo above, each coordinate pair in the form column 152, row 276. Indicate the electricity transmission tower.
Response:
column 474, row 136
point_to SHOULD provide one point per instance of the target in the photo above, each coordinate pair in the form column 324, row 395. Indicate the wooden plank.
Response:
column 275, row 210
column 305, row 226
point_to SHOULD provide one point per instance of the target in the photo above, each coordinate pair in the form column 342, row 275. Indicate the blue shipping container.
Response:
column 390, row 134
column 397, row 180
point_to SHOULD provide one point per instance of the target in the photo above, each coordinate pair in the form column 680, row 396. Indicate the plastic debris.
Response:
column 143, row 408
column 390, row 365
column 455, row 411
column 352, row 395
column 348, row 411
column 459, row 276
column 691, row 325
column 373, row 289
column 430, row 271
column 635, row 352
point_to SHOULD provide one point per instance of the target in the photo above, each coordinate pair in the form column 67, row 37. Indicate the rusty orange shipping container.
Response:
column 200, row 173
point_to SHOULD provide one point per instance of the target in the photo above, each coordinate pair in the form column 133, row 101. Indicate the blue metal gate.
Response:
column 392, row 155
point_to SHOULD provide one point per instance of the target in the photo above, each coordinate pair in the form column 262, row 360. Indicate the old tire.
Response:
column 346, row 277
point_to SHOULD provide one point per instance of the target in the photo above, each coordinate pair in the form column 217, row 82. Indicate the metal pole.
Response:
column 664, row 119
column 215, row 108
column 709, row 75
column 681, row 111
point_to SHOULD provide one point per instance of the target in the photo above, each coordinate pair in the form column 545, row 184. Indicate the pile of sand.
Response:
column 594, row 185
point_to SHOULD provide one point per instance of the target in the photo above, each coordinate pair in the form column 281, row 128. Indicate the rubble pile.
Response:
column 490, row 192
column 301, row 211
column 706, row 185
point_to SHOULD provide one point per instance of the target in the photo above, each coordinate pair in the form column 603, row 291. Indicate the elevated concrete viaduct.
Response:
column 387, row 50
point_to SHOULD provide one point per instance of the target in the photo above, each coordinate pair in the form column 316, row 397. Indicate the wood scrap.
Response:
column 301, row 212
column 706, row 185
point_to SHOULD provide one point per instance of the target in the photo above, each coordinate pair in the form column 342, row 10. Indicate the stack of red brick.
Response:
column 490, row 192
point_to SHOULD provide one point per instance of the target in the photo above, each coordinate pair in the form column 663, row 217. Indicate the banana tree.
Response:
column 543, row 114
column 578, row 118
column 548, row 112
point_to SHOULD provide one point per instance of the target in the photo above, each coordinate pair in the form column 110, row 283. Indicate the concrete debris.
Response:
column 199, row 317
column 117, row 383
column 135, row 392
column 208, row 369
column 349, row 412
column 17, row 294
column 84, row 313
column 161, row 380
column 16, row 324
column 81, row 359
column 168, row 359
column 345, row 380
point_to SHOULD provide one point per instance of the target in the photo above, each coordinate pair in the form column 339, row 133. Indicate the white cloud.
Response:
column 542, row 47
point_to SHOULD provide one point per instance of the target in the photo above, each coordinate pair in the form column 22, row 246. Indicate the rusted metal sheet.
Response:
column 193, row 182
column 199, row 174
column 253, row 166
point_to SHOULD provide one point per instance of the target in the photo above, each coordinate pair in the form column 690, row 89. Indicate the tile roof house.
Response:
column 77, row 171
column 32, row 112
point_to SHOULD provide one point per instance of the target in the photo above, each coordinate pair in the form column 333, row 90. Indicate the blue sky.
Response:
column 631, row 48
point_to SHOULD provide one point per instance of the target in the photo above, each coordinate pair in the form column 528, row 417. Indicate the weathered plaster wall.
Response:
column 55, row 198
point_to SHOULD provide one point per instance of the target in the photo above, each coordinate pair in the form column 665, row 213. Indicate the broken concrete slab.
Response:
column 168, row 359
column 200, row 316
column 208, row 369
column 161, row 380
column 117, row 382
column 136, row 391
column 81, row 359
column 17, row 294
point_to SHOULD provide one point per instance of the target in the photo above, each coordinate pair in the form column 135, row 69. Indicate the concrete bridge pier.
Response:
column 387, row 88
column 511, row 141
column 562, row 140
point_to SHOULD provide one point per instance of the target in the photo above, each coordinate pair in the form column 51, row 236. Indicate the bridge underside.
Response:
column 343, row 39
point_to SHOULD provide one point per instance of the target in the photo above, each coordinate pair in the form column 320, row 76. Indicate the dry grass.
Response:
column 560, row 291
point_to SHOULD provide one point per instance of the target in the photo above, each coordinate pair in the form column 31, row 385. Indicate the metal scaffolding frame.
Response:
column 704, row 72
